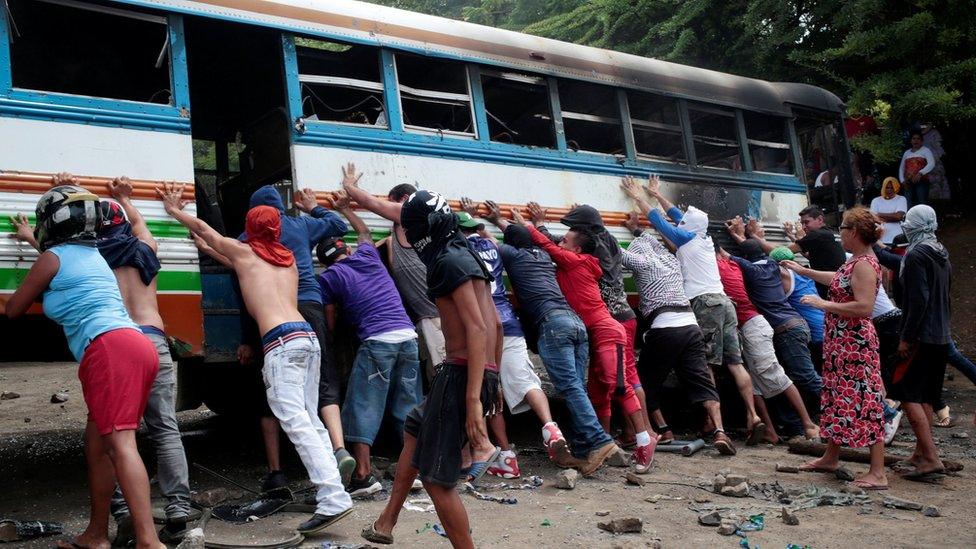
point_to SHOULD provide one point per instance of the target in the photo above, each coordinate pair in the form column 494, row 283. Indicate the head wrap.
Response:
column 329, row 249
column 120, row 248
column 517, row 236
column 262, row 231
column 920, row 225
column 427, row 218
column 895, row 185
column 751, row 250
column 587, row 218
column 694, row 221
column 782, row 253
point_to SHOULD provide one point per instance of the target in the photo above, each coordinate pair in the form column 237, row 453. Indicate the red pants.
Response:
column 630, row 362
column 608, row 342
column 116, row 373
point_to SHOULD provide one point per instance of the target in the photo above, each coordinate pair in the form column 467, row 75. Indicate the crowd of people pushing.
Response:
column 814, row 352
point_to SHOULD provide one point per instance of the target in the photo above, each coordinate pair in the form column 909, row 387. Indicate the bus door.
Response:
column 826, row 168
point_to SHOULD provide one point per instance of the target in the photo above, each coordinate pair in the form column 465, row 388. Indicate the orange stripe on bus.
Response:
column 39, row 183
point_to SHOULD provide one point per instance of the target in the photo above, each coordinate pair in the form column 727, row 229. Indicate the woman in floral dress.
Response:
column 851, row 401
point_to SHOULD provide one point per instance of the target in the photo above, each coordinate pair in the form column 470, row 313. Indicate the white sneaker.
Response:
column 891, row 427
column 417, row 485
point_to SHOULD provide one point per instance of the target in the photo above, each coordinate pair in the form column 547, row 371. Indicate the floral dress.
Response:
column 852, row 413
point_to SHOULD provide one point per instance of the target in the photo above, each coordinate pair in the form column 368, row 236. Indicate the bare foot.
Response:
column 811, row 432
column 84, row 540
column 820, row 465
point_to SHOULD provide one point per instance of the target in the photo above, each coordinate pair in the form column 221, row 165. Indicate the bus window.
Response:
column 715, row 137
column 591, row 117
column 340, row 82
column 769, row 143
column 434, row 95
column 823, row 173
column 89, row 50
column 518, row 109
column 657, row 127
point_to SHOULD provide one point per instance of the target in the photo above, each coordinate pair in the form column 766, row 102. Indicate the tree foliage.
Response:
column 902, row 62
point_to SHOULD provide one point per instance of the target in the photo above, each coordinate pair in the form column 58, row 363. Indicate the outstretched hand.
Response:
column 305, row 200
column 120, row 188
column 517, row 216
column 22, row 228
column 631, row 188
column 536, row 212
column 653, row 185
column 633, row 221
column 63, row 178
column 469, row 206
column 755, row 229
column 736, row 228
column 349, row 176
column 494, row 212
column 172, row 196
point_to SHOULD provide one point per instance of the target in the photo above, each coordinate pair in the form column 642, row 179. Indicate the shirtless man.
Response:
column 130, row 250
column 269, row 282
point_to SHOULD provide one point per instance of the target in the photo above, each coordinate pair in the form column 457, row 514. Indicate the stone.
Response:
column 27, row 420
column 740, row 490
column 58, row 398
column 843, row 473
column 898, row 503
column 634, row 478
column 629, row 525
column 654, row 499
column 735, row 479
column 718, row 483
column 9, row 395
column 789, row 517
column 633, row 544
column 727, row 528
column 566, row 479
column 194, row 539
column 784, row 468
column 603, row 513
column 710, row 519
column 212, row 497
column 619, row 458
column 962, row 434
column 931, row 511
column 702, row 499
column 854, row 490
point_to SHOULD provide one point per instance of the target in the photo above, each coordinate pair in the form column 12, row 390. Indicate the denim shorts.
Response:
column 384, row 381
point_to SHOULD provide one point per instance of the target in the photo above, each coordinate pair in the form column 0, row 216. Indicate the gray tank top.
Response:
column 410, row 276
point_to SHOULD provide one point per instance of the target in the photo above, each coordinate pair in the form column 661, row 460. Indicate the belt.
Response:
column 894, row 313
column 278, row 342
column 792, row 323
column 554, row 313
column 152, row 330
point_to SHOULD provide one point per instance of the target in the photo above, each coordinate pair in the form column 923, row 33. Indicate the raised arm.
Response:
column 206, row 249
column 495, row 215
column 538, row 215
column 383, row 208
column 121, row 189
column 633, row 191
column 341, row 203
column 23, row 231
column 887, row 259
column 864, row 282
column 172, row 195
column 822, row 277
column 561, row 257
column 320, row 222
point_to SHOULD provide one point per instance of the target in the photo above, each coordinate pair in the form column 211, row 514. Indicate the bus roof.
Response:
column 363, row 22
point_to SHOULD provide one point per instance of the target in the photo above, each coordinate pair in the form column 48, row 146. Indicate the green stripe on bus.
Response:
column 167, row 281
column 158, row 228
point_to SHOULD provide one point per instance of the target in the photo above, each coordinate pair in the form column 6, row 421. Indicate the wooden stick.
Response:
column 808, row 448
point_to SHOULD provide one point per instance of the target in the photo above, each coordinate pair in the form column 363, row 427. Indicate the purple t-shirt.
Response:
column 361, row 285
column 487, row 250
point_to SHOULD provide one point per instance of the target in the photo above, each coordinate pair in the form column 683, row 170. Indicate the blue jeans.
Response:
column 564, row 349
column 794, row 355
column 384, row 378
column 917, row 193
column 959, row 361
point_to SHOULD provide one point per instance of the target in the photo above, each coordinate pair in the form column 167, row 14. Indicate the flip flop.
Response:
column 865, row 485
column 370, row 534
column 479, row 468
column 943, row 421
column 930, row 477
column 756, row 434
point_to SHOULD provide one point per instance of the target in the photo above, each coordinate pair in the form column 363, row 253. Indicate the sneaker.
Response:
column 362, row 487
column 506, row 466
column 346, row 464
column 643, row 457
column 320, row 522
column 555, row 442
column 275, row 485
column 723, row 444
column 596, row 458
column 173, row 531
column 891, row 427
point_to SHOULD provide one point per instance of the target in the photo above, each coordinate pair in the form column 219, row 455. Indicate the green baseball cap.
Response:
column 465, row 220
column 781, row 253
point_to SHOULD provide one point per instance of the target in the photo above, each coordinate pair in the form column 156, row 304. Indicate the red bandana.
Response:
column 263, row 229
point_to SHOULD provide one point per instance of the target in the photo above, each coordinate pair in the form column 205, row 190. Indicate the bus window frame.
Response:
column 341, row 81
column 432, row 94
column 617, row 122
column 85, row 109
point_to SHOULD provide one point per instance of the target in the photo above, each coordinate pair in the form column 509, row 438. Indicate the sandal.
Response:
column 865, row 485
column 935, row 476
column 943, row 419
column 370, row 534
column 479, row 468
column 756, row 434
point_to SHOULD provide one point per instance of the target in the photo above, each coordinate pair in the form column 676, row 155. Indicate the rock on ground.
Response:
column 740, row 490
column 710, row 519
column 619, row 458
column 843, row 473
column 567, row 478
column 634, row 478
column 629, row 525
column 727, row 528
column 58, row 398
column 784, row 468
column 898, row 503
column 734, row 479
column 931, row 511
column 789, row 517
column 9, row 395
column 193, row 539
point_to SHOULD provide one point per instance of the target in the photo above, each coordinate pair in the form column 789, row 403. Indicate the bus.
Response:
column 226, row 96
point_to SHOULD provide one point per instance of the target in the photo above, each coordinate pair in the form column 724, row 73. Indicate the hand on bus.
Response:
column 349, row 176
column 305, row 200
column 736, row 228
column 755, row 229
column 245, row 354
column 653, row 185
column 633, row 220
column 172, row 195
column 631, row 188
column 23, row 230
column 63, row 178
column 494, row 212
column 536, row 212
column 468, row 206
column 790, row 229
column 120, row 188
column 340, row 200
column 517, row 216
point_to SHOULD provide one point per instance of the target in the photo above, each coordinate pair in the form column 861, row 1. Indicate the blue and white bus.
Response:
column 229, row 95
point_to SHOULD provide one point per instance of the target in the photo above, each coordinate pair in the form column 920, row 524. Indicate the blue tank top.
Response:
column 84, row 298
column 815, row 317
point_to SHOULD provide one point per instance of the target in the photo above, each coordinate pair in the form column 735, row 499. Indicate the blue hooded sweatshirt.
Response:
column 300, row 235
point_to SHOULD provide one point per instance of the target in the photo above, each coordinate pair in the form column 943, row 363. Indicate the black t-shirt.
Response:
column 824, row 252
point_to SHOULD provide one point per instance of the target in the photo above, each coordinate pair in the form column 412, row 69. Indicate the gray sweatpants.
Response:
column 172, row 472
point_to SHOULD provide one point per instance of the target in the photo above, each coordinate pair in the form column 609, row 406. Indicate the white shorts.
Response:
column 517, row 375
column 768, row 377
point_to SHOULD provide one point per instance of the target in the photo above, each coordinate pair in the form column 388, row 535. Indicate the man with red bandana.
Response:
column 269, row 281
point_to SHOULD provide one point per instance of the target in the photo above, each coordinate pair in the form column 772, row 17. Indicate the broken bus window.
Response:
column 518, row 108
column 340, row 82
column 714, row 134
column 591, row 117
column 769, row 143
column 657, row 127
column 434, row 95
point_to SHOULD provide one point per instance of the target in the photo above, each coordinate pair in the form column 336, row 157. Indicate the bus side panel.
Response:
column 32, row 150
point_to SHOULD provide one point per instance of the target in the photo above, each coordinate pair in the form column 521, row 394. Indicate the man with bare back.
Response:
column 269, row 282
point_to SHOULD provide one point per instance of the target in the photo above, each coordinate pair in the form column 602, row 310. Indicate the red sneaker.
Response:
column 643, row 457
column 505, row 467
column 555, row 443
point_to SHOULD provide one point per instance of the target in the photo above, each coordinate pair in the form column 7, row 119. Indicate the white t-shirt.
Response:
column 882, row 304
column 699, row 268
column 922, row 152
column 883, row 205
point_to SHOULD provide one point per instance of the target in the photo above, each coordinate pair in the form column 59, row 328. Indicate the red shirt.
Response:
column 735, row 288
column 577, row 275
